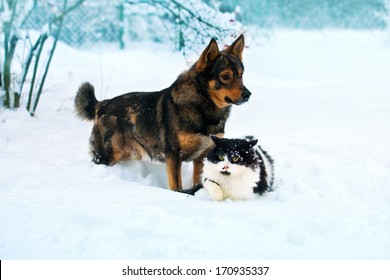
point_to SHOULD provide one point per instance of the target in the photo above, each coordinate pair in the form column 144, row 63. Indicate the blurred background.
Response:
column 30, row 26
column 180, row 22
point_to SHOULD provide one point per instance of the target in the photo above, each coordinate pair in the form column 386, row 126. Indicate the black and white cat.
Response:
column 236, row 169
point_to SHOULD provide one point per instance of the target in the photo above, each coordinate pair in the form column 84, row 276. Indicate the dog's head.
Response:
column 222, row 72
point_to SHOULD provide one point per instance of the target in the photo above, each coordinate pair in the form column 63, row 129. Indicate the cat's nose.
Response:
column 225, row 168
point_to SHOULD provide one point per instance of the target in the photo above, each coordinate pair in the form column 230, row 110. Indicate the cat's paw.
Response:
column 214, row 191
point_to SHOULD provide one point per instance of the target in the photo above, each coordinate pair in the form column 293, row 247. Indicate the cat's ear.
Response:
column 252, row 143
column 215, row 138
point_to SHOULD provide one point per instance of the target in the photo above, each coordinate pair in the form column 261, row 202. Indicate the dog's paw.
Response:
column 214, row 191
column 99, row 159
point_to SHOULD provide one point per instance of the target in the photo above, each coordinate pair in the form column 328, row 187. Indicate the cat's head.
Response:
column 231, row 154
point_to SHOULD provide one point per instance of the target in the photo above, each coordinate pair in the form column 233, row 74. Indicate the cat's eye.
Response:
column 221, row 158
column 235, row 159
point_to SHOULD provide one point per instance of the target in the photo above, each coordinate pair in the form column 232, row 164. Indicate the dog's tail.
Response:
column 85, row 102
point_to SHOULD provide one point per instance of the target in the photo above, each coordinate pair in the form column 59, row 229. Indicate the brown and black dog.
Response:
column 172, row 125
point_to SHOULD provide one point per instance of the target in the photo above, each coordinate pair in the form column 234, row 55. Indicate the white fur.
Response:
column 236, row 186
column 214, row 190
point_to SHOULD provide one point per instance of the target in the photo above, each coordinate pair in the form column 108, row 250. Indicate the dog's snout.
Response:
column 246, row 94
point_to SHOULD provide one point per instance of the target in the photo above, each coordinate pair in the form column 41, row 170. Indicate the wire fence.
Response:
column 120, row 22
column 184, row 24
column 116, row 21
column 86, row 25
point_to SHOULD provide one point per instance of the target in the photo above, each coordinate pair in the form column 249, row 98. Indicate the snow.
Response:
column 319, row 105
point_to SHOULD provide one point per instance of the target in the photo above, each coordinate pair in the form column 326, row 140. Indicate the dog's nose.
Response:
column 246, row 94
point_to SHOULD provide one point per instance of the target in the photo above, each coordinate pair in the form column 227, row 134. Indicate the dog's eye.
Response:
column 225, row 77
column 221, row 158
column 235, row 159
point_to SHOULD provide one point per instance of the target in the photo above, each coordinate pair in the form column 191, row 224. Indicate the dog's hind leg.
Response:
column 173, row 163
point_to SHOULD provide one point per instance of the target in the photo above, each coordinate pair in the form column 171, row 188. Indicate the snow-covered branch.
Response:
column 191, row 23
column 13, row 14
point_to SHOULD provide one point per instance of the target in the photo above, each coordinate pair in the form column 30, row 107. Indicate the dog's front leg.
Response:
column 198, row 168
column 174, row 172
column 199, row 163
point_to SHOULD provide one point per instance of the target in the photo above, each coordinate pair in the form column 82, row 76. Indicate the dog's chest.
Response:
column 214, row 121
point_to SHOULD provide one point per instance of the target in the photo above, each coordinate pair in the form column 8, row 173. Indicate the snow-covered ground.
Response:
column 320, row 105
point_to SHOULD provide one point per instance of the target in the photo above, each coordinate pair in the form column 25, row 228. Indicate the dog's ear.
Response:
column 237, row 47
column 208, row 55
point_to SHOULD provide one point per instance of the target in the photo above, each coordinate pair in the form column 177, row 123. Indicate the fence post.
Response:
column 122, row 25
